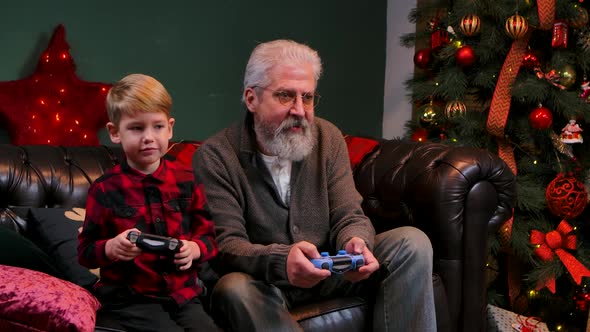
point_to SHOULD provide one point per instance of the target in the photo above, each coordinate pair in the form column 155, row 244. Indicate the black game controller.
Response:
column 155, row 243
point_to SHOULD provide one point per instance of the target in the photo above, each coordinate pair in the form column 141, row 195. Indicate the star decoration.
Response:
column 53, row 106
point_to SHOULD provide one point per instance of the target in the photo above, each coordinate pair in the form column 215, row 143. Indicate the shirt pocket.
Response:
column 177, row 215
column 127, row 216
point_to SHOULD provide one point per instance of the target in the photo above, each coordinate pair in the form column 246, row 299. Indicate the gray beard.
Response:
column 284, row 144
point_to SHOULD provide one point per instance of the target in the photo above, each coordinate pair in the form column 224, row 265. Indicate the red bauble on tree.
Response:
column 566, row 196
column 541, row 118
column 465, row 56
column 422, row 58
column 530, row 60
column 53, row 106
column 419, row 135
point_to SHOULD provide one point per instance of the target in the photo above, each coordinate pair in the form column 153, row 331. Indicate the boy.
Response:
column 142, row 290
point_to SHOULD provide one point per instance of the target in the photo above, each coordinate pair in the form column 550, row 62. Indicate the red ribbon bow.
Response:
column 555, row 242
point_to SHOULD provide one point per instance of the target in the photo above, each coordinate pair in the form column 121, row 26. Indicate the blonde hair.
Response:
column 137, row 93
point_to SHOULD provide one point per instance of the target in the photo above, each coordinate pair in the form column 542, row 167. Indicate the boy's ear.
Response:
column 170, row 127
column 113, row 133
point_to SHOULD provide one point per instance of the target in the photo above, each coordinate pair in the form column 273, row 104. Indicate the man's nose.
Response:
column 297, row 108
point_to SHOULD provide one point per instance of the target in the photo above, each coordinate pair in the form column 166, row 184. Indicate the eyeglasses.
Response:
column 288, row 97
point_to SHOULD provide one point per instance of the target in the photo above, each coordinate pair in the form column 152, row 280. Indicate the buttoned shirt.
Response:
column 168, row 202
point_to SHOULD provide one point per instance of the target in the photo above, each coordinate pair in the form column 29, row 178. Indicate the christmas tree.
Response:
column 513, row 77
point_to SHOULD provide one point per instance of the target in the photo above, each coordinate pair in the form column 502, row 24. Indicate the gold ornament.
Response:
column 470, row 25
column 516, row 26
column 429, row 115
column 567, row 75
column 455, row 108
column 580, row 19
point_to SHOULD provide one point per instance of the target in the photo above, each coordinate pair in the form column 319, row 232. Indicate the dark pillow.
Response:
column 17, row 250
column 35, row 301
column 57, row 235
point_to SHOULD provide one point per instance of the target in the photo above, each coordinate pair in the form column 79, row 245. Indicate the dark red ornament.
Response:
column 465, row 56
column 422, row 58
column 582, row 299
column 541, row 118
column 559, row 39
column 419, row 135
column 530, row 60
column 53, row 106
column 566, row 196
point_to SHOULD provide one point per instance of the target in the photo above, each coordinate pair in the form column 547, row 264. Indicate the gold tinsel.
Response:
column 560, row 146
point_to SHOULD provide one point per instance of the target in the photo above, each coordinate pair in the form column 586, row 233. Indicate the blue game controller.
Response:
column 340, row 263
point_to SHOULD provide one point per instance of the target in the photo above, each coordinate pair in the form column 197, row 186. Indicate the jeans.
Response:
column 401, row 290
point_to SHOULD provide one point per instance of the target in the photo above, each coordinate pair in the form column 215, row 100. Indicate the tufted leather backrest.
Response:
column 401, row 178
column 51, row 176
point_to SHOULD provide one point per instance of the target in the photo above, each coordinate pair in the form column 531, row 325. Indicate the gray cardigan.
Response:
column 255, row 229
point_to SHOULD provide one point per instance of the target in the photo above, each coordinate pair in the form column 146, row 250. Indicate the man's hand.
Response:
column 358, row 246
column 187, row 254
column 120, row 248
column 300, row 271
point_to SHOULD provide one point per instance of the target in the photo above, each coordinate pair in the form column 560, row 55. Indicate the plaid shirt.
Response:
column 168, row 202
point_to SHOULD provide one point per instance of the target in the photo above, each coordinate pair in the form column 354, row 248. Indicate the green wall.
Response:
column 198, row 50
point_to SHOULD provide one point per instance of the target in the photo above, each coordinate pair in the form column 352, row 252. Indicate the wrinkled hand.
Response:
column 120, row 248
column 187, row 254
column 300, row 271
column 358, row 246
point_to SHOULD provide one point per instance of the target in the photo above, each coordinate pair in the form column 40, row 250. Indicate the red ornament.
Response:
column 566, row 197
column 422, row 58
column 439, row 37
column 582, row 299
column 465, row 56
column 559, row 39
column 53, row 106
column 541, row 118
column 419, row 135
column 530, row 60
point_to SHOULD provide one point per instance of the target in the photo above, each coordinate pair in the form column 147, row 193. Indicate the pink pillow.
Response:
column 35, row 301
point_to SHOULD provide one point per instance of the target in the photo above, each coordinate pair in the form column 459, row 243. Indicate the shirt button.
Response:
column 295, row 229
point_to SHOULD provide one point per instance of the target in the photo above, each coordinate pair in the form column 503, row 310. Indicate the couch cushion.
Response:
column 57, row 235
column 17, row 250
column 35, row 301
column 340, row 314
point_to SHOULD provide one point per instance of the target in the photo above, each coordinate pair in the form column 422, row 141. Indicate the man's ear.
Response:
column 113, row 133
column 251, row 99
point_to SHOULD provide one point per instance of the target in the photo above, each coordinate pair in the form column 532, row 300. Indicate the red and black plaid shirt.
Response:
column 168, row 202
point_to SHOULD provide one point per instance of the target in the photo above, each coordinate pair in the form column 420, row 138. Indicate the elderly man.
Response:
column 280, row 190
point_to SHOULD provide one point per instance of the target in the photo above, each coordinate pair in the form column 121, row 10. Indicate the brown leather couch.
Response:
column 458, row 196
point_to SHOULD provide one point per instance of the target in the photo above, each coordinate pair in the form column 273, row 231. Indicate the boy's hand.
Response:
column 189, row 252
column 120, row 248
